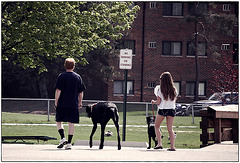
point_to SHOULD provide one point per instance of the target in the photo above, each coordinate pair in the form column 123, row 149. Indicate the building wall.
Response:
column 149, row 63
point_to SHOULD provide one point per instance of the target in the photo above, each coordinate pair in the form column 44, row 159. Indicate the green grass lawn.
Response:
column 186, row 137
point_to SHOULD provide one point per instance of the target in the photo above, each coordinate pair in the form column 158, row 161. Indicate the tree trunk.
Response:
column 196, row 57
column 42, row 87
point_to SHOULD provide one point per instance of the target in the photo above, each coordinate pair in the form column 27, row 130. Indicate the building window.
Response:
column 172, row 48
column 201, row 89
column 172, row 9
column 151, row 84
column 225, row 47
column 153, row 4
column 152, row 44
column 126, row 44
column 119, row 87
column 226, row 7
column 190, row 86
column 202, row 49
column 178, row 87
column 202, row 8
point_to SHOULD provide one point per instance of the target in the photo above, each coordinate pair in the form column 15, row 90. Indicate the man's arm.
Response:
column 80, row 97
column 57, row 95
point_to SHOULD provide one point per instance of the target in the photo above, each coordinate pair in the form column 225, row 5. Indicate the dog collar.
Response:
column 93, row 106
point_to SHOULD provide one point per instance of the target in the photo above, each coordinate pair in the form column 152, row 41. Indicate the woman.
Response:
column 166, row 100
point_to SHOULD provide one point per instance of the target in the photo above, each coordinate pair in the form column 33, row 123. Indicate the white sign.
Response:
column 125, row 59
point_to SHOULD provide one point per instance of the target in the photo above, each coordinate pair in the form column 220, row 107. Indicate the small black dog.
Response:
column 101, row 113
column 151, row 130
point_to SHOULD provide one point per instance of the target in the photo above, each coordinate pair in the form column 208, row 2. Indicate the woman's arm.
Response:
column 157, row 102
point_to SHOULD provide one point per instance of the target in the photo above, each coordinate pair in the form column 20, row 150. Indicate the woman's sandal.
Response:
column 171, row 149
column 160, row 147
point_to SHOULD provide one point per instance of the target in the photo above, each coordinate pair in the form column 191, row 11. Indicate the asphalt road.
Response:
column 23, row 152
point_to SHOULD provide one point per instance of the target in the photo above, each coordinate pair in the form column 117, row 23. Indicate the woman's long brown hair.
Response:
column 167, row 88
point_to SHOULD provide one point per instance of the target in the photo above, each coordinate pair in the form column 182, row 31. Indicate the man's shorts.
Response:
column 67, row 115
column 167, row 112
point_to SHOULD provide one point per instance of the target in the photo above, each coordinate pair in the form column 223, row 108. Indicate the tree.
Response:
column 37, row 36
column 36, row 32
column 208, row 26
column 225, row 79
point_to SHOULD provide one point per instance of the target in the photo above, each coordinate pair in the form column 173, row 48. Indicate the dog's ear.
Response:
column 148, row 120
column 88, row 111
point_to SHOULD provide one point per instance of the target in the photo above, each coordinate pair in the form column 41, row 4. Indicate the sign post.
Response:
column 126, row 64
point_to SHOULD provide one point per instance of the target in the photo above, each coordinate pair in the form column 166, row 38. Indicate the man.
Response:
column 68, row 100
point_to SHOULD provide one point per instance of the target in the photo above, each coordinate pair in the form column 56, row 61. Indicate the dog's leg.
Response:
column 103, row 126
column 118, row 135
column 149, row 140
column 93, row 131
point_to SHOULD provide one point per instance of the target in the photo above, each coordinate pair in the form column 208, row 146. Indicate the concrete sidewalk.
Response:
column 24, row 152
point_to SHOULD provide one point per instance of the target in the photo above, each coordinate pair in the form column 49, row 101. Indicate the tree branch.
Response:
column 5, row 6
column 10, row 47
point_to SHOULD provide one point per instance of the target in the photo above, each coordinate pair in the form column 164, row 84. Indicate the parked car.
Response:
column 224, row 98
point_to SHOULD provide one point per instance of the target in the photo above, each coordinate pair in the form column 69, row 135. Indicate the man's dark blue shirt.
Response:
column 70, row 84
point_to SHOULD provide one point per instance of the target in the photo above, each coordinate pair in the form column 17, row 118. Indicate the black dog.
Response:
column 151, row 130
column 101, row 113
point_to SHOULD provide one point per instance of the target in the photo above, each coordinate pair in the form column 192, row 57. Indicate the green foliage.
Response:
column 224, row 23
column 210, row 24
column 226, row 79
column 35, row 32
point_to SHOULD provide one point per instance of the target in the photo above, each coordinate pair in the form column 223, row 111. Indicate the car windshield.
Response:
column 220, row 97
column 216, row 97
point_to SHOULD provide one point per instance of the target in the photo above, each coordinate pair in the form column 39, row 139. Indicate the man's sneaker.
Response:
column 68, row 146
column 62, row 143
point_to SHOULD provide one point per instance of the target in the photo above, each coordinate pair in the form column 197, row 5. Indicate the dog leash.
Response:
column 153, row 110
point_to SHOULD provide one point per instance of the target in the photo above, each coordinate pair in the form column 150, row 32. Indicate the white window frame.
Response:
column 153, row 5
column 225, row 47
column 152, row 44
column 151, row 85
column 226, row 7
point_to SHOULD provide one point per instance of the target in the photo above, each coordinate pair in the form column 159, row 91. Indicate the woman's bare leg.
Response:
column 170, row 121
column 158, row 122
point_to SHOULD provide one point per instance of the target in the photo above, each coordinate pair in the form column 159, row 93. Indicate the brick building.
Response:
column 161, row 40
